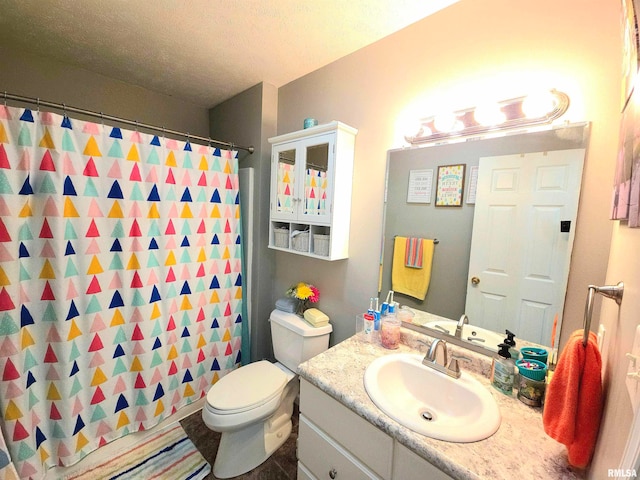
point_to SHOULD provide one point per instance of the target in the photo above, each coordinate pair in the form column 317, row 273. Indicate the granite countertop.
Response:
column 519, row 449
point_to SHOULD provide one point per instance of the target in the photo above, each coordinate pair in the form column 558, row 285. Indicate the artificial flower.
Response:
column 304, row 291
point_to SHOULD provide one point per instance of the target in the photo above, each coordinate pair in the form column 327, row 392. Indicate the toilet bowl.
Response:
column 254, row 422
column 252, row 406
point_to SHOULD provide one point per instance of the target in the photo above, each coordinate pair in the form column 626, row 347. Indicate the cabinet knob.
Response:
column 333, row 473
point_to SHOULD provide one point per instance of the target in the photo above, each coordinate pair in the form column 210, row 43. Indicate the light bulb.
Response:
column 447, row 122
column 538, row 104
column 489, row 115
column 426, row 131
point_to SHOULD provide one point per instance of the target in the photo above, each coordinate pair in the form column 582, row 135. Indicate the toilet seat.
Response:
column 246, row 388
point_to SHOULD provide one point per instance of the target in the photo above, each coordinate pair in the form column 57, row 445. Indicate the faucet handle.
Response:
column 426, row 344
column 454, row 366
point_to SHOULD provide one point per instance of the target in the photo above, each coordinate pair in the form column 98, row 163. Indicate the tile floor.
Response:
column 282, row 465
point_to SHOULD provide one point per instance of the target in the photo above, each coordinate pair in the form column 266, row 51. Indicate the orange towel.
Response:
column 573, row 405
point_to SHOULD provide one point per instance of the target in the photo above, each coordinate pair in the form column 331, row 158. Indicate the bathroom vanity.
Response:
column 342, row 434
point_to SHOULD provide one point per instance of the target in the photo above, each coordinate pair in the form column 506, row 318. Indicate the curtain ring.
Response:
column 38, row 104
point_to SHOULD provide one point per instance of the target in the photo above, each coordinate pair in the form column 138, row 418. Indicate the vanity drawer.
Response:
column 409, row 466
column 349, row 430
column 324, row 458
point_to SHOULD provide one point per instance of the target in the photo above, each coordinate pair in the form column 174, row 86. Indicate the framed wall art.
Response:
column 450, row 186
column 420, row 186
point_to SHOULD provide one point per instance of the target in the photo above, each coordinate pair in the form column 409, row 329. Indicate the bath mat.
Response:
column 167, row 455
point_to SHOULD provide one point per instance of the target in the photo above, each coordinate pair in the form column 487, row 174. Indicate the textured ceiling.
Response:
column 203, row 51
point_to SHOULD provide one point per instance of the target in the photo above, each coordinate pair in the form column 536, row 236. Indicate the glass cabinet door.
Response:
column 303, row 184
column 316, row 182
column 316, row 178
column 286, row 200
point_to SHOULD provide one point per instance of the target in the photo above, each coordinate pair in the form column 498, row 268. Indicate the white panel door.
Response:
column 521, row 247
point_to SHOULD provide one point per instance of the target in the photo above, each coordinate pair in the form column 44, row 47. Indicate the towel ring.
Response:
column 614, row 292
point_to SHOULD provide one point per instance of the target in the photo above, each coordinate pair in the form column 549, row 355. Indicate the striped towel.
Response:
column 413, row 253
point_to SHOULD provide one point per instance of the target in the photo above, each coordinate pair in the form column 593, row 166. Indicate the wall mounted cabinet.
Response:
column 311, row 182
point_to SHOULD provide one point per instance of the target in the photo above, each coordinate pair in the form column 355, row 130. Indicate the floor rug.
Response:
column 167, row 455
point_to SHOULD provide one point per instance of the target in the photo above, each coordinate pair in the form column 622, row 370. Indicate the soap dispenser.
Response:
column 503, row 371
column 515, row 353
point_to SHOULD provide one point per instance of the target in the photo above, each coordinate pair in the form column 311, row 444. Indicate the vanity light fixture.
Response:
column 536, row 109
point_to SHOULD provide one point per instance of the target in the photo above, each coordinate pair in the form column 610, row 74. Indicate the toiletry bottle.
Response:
column 515, row 353
column 502, row 370
column 368, row 327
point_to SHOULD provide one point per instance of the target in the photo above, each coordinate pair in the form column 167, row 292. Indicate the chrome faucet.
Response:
column 463, row 319
column 450, row 368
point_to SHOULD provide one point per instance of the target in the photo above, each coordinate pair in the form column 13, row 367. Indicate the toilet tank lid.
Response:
column 295, row 323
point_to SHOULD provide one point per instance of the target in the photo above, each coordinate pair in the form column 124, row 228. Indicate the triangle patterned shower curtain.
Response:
column 120, row 282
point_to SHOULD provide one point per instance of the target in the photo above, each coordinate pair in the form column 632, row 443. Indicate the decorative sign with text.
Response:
column 450, row 186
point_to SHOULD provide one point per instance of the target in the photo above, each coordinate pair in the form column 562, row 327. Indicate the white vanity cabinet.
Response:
column 311, row 182
column 336, row 443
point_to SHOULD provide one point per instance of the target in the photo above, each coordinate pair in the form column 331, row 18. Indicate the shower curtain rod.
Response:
column 66, row 108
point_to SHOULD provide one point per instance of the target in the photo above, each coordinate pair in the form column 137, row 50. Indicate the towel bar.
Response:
column 435, row 240
column 614, row 292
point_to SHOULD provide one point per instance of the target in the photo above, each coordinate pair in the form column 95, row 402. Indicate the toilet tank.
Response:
column 294, row 340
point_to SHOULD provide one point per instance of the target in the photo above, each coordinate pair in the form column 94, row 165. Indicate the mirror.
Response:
column 453, row 227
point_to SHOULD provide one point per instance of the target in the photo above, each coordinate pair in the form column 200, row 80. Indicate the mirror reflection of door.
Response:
column 521, row 249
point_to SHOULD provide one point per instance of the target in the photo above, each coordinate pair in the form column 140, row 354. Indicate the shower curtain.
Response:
column 120, row 282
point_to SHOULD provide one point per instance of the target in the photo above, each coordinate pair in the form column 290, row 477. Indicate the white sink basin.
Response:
column 429, row 402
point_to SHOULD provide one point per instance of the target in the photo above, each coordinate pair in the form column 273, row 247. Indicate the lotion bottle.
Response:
column 503, row 371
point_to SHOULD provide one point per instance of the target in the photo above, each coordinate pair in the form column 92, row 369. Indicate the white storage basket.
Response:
column 300, row 242
column 321, row 244
column 281, row 237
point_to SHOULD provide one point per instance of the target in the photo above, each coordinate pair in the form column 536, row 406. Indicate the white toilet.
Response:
column 252, row 406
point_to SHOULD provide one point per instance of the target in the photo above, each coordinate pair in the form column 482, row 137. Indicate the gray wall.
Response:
column 249, row 118
column 33, row 76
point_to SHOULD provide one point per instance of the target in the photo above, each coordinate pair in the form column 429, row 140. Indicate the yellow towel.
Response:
column 411, row 281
